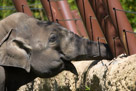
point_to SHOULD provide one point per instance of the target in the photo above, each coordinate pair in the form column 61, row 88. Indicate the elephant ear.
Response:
column 15, row 52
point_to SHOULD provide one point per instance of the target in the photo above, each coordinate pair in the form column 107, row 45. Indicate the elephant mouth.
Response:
column 68, row 65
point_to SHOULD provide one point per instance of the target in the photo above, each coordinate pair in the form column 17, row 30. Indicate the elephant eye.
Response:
column 53, row 38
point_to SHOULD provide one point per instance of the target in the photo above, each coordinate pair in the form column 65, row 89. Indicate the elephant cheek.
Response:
column 48, row 69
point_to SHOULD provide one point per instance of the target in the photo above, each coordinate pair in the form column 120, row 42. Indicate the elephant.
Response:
column 31, row 48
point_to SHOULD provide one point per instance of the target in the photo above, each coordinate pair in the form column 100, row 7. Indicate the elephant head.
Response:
column 46, row 48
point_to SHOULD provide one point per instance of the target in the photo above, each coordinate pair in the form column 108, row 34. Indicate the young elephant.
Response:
column 31, row 48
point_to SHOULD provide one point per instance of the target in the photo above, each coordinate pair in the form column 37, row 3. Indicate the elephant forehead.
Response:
column 41, row 35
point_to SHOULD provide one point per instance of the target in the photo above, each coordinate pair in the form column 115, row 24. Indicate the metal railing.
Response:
column 105, row 24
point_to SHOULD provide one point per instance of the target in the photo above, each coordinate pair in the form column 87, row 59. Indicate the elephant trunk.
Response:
column 90, row 50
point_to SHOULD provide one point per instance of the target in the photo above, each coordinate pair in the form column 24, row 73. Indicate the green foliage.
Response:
column 4, row 13
column 87, row 88
column 7, row 8
column 40, row 14
column 130, row 6
column 72, row 4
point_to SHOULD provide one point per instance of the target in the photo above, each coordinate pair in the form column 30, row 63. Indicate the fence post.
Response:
column 108, row 28
column 121, row 22
column 22, row 6
column 79, row 24
column 90, row 21
column 66, row 13
column 52, row 11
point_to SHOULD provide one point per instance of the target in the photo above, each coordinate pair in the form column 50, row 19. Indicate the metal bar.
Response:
column 66, row 13
column 79, row 23
column 15, row 9
column 13, row 6
column 126, row 11
column 114, row 46
column 93, row 25
column 22, row 6
column 123, row 23
column 99, row 46
column 92, row 28
column 23, row 9
column 107, row 26
column 104, row 27
column 84, row 12
column 126, row 42
column 6, row 6
column 75, row 19
column 7, row 9
column 130, row 32
column 52, row 11
column 117, row 27
column 69, row 19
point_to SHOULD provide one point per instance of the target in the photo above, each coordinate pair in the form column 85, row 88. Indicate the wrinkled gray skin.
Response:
column 32, row 48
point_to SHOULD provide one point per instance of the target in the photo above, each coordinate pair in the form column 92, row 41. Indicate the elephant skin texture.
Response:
column 31, row 48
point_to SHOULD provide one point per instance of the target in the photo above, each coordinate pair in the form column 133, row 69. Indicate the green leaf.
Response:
column 87, row 88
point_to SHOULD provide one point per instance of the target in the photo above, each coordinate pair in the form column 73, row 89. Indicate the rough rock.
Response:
column 118, row 74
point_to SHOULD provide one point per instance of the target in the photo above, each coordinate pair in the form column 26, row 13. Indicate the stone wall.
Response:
column 118, row 74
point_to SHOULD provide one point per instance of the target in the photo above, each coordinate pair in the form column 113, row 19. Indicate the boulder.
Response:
column 118, row 74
